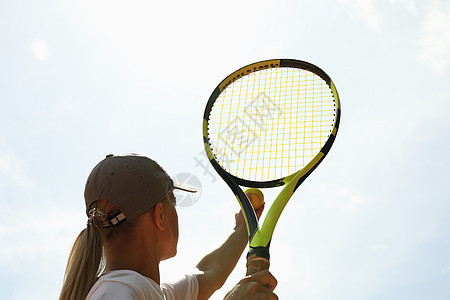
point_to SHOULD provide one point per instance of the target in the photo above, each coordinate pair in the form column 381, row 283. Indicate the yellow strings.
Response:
column 271, row 123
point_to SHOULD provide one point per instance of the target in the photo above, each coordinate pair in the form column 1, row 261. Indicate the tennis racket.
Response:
column 269, row 124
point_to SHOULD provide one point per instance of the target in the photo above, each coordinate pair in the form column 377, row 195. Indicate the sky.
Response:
column 82, row 79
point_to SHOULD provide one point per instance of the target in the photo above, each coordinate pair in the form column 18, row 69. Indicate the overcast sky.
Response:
column 81, row 79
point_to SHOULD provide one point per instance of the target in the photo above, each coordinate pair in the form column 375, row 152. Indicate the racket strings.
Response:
column 271, row 123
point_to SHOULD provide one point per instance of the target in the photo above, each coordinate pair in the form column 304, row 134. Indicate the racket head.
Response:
column 268, row 120
column 268, row 124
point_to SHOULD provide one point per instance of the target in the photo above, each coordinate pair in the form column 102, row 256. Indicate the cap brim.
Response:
column 185, row 187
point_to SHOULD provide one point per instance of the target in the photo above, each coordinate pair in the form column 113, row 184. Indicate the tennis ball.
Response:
column 255, row 196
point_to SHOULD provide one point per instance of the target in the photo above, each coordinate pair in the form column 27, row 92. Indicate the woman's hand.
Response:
column 258, row 286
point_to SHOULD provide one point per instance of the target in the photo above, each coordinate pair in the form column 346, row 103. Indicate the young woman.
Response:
column 132, row 226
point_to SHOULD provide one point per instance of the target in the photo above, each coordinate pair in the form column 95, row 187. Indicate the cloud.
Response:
column 40, row 50
column 31, row 233
column 434, row 38
column 347, row 199
column 365, row 10
column 11, row 168
column 409, row 5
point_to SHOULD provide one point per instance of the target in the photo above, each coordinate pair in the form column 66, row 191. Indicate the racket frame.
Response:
column 259, row 238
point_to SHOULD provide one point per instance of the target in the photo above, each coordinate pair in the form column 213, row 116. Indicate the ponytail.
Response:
column 84, row 265
column 87, row 258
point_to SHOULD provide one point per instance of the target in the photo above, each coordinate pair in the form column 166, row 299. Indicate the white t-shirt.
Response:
column 126, row 284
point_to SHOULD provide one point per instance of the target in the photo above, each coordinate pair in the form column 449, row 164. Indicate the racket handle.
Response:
column 256, row 264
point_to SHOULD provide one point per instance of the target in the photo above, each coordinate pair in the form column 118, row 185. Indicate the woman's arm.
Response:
column 215, row 267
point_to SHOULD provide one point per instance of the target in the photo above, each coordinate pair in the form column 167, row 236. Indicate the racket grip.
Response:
column 256, row 264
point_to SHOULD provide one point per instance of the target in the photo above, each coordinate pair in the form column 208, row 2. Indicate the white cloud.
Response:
column 12, row 168
column 434, row 39
column 409, row 5
column 32, row 233
column 40, row 50
column 365, row 10
column 347, row 199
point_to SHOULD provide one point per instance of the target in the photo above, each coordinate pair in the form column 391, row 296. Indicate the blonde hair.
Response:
column 87, row 258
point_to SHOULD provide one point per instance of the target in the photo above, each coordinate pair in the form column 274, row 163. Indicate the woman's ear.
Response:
column 159, row 217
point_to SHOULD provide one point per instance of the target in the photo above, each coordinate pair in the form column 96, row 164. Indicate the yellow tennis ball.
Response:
column 255, row 196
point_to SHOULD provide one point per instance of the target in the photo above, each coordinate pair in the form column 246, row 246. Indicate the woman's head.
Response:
column 131, row 182
column 120, row 194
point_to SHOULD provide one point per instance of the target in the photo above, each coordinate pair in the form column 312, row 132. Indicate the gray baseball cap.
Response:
column 132, row 182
